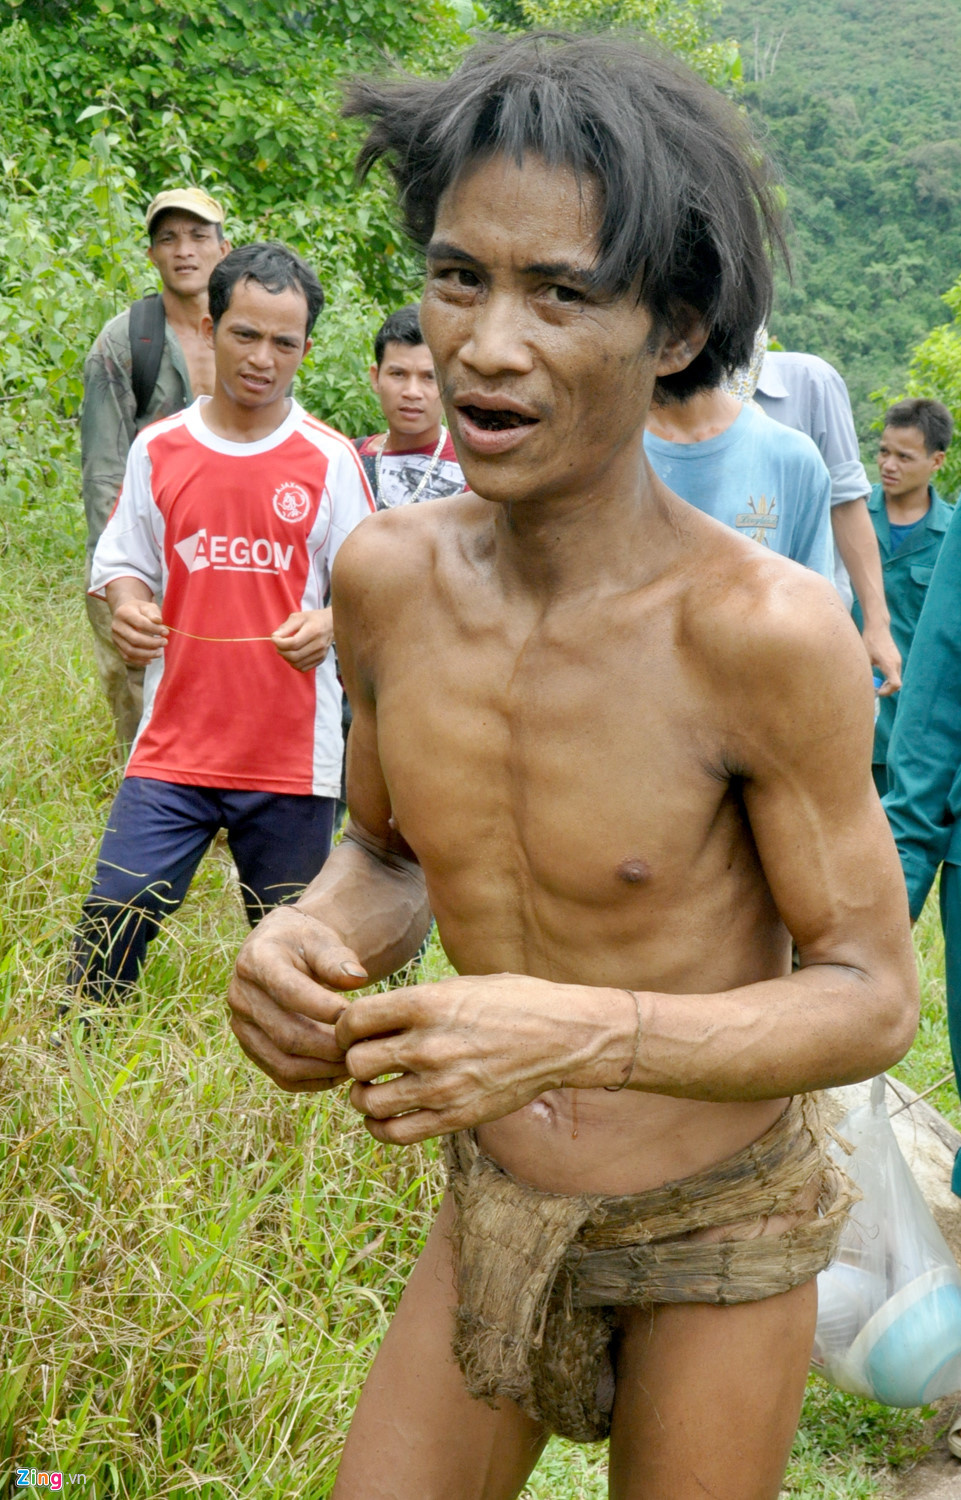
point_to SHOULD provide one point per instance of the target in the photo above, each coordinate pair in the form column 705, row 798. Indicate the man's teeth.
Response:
column 496, row 421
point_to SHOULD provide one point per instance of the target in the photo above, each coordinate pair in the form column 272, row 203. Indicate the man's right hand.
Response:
column 284, row 1002
column 884, row 656
column 138, row 631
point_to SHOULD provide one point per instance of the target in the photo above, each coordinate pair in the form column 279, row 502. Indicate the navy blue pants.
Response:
column 157, row 833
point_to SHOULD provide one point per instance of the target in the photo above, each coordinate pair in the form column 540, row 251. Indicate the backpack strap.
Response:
column 147, row 325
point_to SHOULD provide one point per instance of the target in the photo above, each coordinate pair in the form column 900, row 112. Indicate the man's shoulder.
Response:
column 797, row 455
column 396, row 545
column 113, row 340
column 745, row 607
column 786, row 441
column 158, row 439
column 797, row 371
column 331, row 442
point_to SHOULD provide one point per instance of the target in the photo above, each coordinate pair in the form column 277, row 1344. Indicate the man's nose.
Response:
column 496, row 342
column 261, row 353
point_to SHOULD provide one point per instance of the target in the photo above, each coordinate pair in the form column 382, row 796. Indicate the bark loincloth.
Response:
column 540, row 1274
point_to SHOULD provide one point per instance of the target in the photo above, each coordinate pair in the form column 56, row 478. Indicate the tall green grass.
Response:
column 195, row 1269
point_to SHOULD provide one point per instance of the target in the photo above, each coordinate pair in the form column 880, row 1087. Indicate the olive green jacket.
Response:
column 108, row 422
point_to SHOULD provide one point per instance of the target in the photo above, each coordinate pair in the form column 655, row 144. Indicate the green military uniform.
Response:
column 108, row 426
column 924, row 767
column 907, row 574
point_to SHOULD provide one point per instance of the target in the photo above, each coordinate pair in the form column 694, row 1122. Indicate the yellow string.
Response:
column 219, row 639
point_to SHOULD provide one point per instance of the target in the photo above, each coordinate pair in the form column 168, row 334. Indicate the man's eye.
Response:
column 457, row 276
column 560, row 293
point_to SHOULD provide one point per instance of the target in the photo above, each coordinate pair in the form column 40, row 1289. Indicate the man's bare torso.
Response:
column 200, row 360
column 563, row 777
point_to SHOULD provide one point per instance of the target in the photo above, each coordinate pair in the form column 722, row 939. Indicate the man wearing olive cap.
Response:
column 148, row 362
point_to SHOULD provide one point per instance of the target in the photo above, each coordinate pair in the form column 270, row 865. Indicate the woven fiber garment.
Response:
column 539, row 1274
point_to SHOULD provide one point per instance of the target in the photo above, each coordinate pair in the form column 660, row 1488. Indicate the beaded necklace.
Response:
column 424, row 477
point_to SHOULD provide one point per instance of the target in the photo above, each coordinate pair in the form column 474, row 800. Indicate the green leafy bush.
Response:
column 936, row 372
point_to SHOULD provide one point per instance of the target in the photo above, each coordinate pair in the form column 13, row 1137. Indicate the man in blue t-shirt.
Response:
column 734, row 463
column 910, row 520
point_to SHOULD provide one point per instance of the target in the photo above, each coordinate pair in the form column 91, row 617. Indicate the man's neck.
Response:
column 704, row 415
column 409, row 442
column 904, row 510
column 185, row 313
column 614, row 535
column 238, row 424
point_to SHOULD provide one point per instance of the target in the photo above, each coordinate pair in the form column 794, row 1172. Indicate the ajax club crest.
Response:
column 291, row 502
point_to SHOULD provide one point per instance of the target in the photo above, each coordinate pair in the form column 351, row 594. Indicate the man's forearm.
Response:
column 374, row 899
column 858, row 546
column 479, row 1047
column 817, row 1028
column 126, row 590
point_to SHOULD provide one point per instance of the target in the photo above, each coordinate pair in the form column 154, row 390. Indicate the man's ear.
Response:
column 207, row 330
column 683, row 343
column 937, row 459
column 225, row 248
column 374, row 373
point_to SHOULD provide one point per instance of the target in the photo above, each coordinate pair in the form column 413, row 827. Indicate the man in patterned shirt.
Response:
column 414, row 459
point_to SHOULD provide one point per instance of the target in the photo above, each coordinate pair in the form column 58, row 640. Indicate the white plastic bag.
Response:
column 889, row 1306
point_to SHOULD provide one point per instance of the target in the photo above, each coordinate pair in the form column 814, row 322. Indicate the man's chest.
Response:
column 586, row 757
column 224, row 515
column 199, row 359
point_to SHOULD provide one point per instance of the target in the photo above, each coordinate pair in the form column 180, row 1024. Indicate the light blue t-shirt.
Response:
column 761, row 478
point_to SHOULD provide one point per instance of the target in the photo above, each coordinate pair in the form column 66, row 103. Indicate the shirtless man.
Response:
column 122, row 395
column 623, row 754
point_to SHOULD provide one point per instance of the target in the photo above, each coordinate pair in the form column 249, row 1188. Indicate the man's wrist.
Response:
column 615, row 1088
column 611, row 1025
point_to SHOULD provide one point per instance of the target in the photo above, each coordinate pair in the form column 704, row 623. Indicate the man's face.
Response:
column 904, row 462
column 259, row 343
column 544, row 379
column 185, row 250
column 407, row 389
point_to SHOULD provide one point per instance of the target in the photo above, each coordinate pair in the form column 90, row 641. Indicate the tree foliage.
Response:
column 852, row 101
column 683, row 26
column 103, row 103
column 936, row 372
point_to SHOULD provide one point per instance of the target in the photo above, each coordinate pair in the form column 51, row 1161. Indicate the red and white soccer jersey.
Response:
column 234, row 537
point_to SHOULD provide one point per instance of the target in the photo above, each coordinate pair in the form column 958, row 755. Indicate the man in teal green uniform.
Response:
column 910, row 519
column 924, row 755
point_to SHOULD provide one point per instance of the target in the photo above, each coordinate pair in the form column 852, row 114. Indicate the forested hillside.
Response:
column 859, row 102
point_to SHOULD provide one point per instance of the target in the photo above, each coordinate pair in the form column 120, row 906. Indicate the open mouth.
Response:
column 497, row 420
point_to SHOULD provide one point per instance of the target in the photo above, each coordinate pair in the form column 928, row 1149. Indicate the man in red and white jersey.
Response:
column 216, row 566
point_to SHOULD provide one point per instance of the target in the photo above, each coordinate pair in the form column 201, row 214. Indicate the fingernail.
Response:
column 354, row 971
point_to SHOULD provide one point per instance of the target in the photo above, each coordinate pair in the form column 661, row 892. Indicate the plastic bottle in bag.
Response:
column 889, row 1306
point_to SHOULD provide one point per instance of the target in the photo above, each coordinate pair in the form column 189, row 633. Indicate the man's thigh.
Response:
column 416, row 1433
column 122, row 684
column 156, row 835
column 279, row 843
column 708, row 1398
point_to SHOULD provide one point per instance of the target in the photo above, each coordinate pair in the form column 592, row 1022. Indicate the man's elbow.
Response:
column 894, row 1024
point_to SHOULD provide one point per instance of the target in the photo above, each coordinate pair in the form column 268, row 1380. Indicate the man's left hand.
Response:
column 304, row 638
column 478, row 1048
